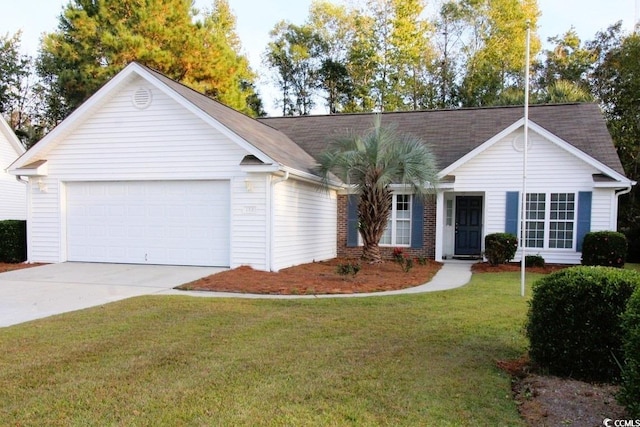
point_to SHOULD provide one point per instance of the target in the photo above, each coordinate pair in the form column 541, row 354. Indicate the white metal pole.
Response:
column 525, row 147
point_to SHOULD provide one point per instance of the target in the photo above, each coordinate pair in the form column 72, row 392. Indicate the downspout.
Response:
column 272, row 211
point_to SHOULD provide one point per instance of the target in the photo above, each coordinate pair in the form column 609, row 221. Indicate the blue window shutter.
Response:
column 511, row 213
column 417, row 222
column 584, row 217
column 352, row 220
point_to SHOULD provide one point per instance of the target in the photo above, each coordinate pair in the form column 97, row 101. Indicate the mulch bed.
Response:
column 9, row 267
column 317, row 278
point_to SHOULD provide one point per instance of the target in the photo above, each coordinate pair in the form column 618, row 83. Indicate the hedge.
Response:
column 574, row 325
column 13, row 241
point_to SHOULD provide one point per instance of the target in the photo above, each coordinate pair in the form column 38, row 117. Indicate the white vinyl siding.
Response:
column 249, row 222
column 305, row 221
column 119, row 142
column 550, row 169
column 13, row 194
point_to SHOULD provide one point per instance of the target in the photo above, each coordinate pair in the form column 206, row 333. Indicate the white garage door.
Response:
column 149, row 222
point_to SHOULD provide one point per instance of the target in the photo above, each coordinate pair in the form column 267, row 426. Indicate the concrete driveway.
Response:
column 37, row 292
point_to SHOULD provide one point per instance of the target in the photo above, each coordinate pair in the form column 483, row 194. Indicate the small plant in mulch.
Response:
column 422, row 260
column 348, row 269
column 405, row 262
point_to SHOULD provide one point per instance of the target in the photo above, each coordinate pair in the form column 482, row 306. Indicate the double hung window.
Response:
column 398, row 231
column 550, row 220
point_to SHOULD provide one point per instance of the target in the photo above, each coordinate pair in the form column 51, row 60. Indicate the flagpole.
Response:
column 525, row 147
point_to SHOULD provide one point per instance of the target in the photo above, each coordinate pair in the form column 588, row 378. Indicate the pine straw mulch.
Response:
column 5, row 266
column 318, row 278
column 545, row 400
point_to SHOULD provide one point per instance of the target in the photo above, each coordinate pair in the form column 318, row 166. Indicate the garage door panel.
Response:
column 156, row 222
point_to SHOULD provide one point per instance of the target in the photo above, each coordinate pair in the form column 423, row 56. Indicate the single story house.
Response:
column 150, row 171
column 13, row 194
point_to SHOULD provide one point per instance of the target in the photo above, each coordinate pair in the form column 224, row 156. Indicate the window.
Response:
column 398, row 231
column 450, row 212
column 561, row 214
column 550, row 225
column 535, row 220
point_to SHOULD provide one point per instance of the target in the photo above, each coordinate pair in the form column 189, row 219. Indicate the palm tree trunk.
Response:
column 371, row 253
column 373, row 211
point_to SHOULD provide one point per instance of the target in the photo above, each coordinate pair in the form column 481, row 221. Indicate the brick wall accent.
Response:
column 428, row 233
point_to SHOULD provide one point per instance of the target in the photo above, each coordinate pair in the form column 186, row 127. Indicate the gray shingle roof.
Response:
column 295, row 142
column 454, row 133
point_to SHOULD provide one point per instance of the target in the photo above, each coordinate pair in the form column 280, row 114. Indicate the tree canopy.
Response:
column 96, row 39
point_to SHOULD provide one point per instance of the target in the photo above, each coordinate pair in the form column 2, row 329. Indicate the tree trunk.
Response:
column 373, row 211
column 371, row 253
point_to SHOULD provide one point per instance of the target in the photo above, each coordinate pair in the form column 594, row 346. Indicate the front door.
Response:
column 468, row 225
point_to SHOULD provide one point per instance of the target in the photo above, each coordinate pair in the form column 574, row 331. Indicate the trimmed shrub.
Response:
column 574, row 325
column 534, row 261
column 606, row 248
column 13, row 241
column 629, row 395
column 500, row 248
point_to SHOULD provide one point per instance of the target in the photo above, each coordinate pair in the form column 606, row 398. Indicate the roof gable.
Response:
column 545, row 134
column 268, row 145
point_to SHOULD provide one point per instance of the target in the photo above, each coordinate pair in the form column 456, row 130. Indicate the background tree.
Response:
column 495, row 46
column 616, row 82
column 95, row 40
column 333, row 25
column 568, row 60
column 449, row 30
column 370, row 162
column 295, row 53
column 18, row 96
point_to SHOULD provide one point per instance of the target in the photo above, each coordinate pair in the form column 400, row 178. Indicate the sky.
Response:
column 255, row 18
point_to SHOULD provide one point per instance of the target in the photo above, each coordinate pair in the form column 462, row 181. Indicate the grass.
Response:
column 406, row 360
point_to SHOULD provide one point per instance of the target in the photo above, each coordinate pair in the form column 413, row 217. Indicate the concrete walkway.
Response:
column 38, row 292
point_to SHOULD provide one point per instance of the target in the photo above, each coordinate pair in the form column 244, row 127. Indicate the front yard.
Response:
column 408, row 360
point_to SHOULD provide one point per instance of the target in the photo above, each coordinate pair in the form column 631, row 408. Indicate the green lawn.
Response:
column 406, row 360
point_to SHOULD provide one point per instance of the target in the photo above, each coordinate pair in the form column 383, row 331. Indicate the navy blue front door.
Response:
column 468, row 225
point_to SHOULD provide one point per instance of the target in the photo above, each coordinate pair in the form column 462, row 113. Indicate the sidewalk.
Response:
column 453, row 274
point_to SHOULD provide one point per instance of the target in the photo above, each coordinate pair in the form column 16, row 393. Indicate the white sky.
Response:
column 255, row 18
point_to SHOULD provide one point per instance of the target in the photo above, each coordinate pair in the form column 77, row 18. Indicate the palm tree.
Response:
column 369, row 163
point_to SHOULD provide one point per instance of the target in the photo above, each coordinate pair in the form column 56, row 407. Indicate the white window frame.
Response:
column 393, row 220
column 571, row 217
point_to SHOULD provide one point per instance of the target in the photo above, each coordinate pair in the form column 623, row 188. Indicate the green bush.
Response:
column 606, row 248
column 348, row 269
column 534, row 261
column 500, row 248
column 13, row 241
column 629, row 395
column 574, row 325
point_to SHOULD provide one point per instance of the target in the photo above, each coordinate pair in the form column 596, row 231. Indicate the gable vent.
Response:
column 518, row 143
column 141, row 98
